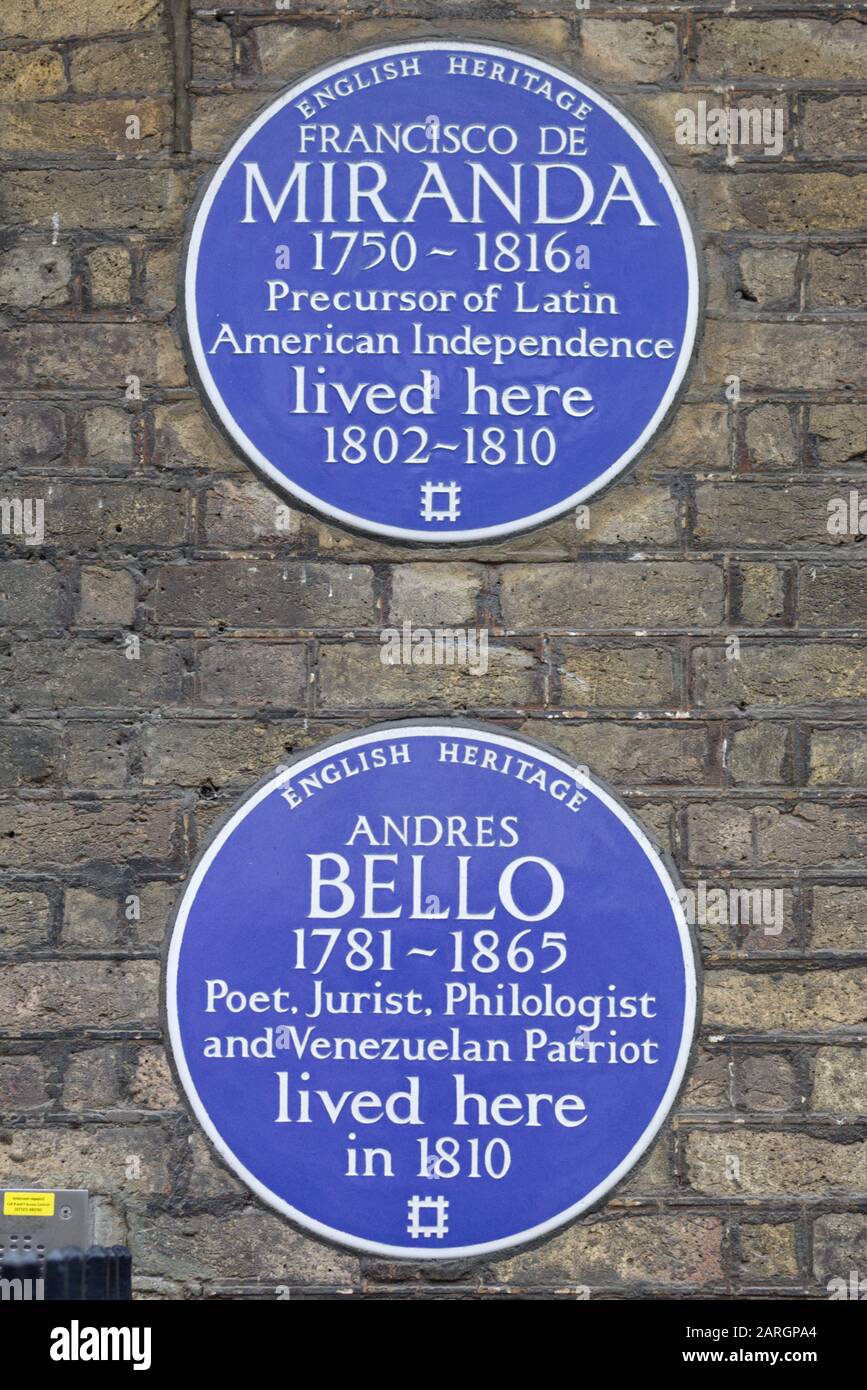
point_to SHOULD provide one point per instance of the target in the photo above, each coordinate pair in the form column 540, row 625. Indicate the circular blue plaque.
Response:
column 430, row 990
column 441, row 292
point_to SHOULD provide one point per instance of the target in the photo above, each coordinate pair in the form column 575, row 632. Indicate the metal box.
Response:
column 33, row 1220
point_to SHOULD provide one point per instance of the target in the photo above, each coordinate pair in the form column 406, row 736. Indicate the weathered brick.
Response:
column 252, row 675
column 108, row 1220
column 609, row 594
column 653, row 1177
column 839, row 1247
column 804, row 833
column 757, row 754
column 769, row 356
column 31, row 592
column 189, row 753
column 56, row 675
column 769, row 437
column 834, row 126
column 397, row 8
column 152, row 1086
column 31, row 434
column 768, row 1251
column 211, row 43
column 709, row 1084
column 245, row 513
column 434, row 595
column 628, row 50
column 92, row 1079
column 89, row 919
column 22, row 1085
column 116, row 514
column 250, row 1244
column 36, row 19
column 74, row 832
column 110, row 270
column 838, row 756
column 767, row 1164
column 207, row 1176
column 44, row 356
column 769, row 201
column 120, row 199
column 719, row 276
column 219, row 752
column 767, row 277
column 106, row 597
column 768, row 674
column 656, row 818
column 70, row 994
column 30, row 74
column 160, row 279
column 35, row 276
column 96, row 1157
column 767, row 1082
column 832, row 595
column 661, row 113
column 29, row 755
column 720, row 834
column 671, row 1249
column 790, row 47
column 838, row 434
column 709, row 915
column 635, row 513
column 25, row 918
column 288, row 50
column 96, row 754
column 108, row 435
column 156, row 902
column 839, row 918
column 97, row 126
column 761, row 599
column 556, row 541
column 185, row 438
column 766, row 918
column 631, row 754
column 133, row 65
column 837, row 281
column 352, row 675
column 218, row 119
column 745, row 513
column 814, row 1001
column 209, row 811
column 840, row 1081
column 696, row 437
column 616, row 677
column 264, row 594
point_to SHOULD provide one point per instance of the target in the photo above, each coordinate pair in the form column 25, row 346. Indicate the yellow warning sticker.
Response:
column 28, row 1203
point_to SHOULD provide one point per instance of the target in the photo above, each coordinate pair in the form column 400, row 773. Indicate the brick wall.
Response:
column 170, row 641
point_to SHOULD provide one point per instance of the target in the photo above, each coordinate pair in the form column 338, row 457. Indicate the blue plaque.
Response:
column 441, row 292
column 430, row 991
